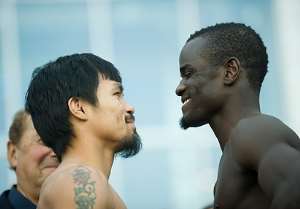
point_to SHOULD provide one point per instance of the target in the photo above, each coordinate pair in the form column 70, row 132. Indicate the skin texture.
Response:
column 85, row 168
column 32, row 160
column 260, row 164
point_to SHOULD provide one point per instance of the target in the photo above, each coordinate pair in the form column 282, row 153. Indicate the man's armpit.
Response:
column 84, row 188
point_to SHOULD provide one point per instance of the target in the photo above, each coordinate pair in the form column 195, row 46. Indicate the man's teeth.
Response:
column 186, row 101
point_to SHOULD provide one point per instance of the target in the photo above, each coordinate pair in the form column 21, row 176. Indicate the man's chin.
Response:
column 130, row 146
column 185, row 124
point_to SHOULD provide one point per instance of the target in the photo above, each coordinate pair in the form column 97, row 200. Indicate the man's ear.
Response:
column 232, row 70
column 78, row 108
column 12, row 154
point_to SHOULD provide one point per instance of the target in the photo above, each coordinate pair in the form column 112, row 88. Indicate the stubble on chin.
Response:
column 129, row 146
column 184, row 124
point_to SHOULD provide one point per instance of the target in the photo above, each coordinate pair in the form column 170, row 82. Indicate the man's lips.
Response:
column 50, row 167
column 185, row 98
column 129, row 118
column 53, row 163
column 185, row 101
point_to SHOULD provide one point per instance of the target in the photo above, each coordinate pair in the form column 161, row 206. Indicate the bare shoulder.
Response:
column 76, row 187
column 267, row 146
column 263, row 129
column 254, row 136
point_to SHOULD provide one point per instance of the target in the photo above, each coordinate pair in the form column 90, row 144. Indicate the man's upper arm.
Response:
column 264, row 146
column 81, row 188
column 279, row 167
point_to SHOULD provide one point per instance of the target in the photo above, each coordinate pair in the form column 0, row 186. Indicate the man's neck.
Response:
column 226, row 120
column 86, row 152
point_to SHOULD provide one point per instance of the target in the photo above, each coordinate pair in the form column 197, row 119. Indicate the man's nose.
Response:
column 180, row 89
column 130, row 109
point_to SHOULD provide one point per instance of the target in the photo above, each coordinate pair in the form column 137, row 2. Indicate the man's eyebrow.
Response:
column 119, row 86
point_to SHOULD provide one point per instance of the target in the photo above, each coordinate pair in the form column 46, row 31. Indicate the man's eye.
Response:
column 118, row 93
column 187, row 74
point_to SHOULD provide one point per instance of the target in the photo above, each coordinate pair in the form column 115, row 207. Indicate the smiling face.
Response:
column 201, row 85
column 113, row 120
column 32, row 160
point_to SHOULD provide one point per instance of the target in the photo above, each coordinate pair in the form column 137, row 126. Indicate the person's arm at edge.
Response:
column 264, row 148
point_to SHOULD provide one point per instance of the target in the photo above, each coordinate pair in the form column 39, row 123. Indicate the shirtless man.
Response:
column 222, row 69
column 78, row 108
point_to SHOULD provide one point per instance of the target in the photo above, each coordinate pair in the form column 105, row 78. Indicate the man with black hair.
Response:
column 222, row 69
column 31, row 161
column 78, row 108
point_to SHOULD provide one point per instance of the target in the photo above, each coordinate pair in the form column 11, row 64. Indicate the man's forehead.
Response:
column 111, row 83
column 118, row 85
column 29, row 136
column 192, row 50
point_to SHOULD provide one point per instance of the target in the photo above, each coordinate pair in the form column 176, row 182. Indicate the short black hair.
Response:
column 225, row 40
column 53, row 84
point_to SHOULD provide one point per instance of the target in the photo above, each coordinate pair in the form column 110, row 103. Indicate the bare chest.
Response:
column 237, row 188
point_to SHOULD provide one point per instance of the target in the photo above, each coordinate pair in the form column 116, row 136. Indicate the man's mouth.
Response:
column 50, row 167
column 129, row 118
column 185, row 101
column 50, row 163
